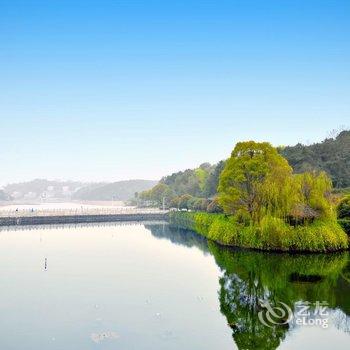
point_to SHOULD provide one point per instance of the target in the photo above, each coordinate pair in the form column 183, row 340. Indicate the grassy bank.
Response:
column 270, row 234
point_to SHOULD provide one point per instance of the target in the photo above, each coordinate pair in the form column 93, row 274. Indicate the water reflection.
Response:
column 178, row 236
column 251, row 278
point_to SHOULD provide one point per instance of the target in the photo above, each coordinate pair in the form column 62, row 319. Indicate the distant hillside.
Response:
column 4, row 196
column 64, row 190
column 42, row 188
column 331, row 155
column 121, row 190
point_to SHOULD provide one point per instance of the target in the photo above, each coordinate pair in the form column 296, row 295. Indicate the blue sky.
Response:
column 111, row 90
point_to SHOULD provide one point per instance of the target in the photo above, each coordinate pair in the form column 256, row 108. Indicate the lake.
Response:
column 150, row 286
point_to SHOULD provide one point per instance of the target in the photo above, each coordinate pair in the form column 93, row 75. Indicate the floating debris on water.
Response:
column 98, row 337
column 167, row 335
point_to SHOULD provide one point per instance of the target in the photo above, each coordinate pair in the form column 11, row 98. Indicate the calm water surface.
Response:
column 149, row 286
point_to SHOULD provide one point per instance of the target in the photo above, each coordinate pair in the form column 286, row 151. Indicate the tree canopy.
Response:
column 257, row 181
column 254, row 176
column 279, row 193
column 331, row 155
column 189, row 189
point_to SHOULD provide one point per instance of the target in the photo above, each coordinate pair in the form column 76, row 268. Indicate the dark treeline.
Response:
column 190, row 189
column 332, row 156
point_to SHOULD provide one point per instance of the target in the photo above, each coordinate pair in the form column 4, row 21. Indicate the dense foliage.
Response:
column 200, row 182
column 190, row 189
column 267, row 207
column 258, row 182
column 269, row 234
column 253, row 179
column 344, row 208
column 265, row 204
column 332, row 156
column 344, row 214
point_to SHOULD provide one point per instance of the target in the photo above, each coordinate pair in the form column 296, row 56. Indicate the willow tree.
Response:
column 256, row 180
column 314, row 194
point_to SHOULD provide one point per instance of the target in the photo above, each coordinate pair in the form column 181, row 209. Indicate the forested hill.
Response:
column 199, row 182
column 331, row 155
column 191, row 185
column 120, row 190
column 196, row 185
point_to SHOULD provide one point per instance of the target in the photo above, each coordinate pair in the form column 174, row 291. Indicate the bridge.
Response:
column 75, row 216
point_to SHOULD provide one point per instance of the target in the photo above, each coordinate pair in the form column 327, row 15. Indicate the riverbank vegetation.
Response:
column 190, row 189
column 266, row 206
column 344, row 214
column 269, row 234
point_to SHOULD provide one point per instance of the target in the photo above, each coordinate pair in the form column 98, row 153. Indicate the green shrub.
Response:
column 345, row 224
column 223, row 230
column 343, row 209
column 321, row 236
column 270, row 234
column 203, row 221
column 274, row 233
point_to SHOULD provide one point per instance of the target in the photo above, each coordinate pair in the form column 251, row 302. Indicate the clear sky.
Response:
column 111, row 90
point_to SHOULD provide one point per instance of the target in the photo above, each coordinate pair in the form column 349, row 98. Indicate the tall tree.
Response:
column 251, row 174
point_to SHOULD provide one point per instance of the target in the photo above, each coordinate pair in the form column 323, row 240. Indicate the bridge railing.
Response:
column 79, row 211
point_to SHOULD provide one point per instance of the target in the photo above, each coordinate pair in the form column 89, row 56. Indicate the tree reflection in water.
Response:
column 249, row 277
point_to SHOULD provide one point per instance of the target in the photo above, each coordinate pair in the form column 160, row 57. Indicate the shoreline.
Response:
column 194, row 221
